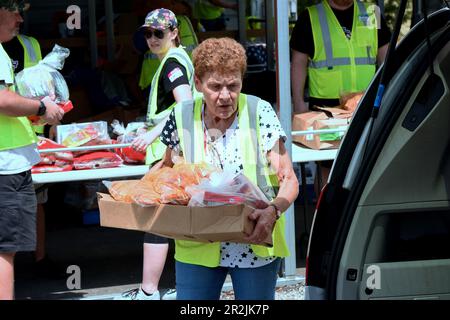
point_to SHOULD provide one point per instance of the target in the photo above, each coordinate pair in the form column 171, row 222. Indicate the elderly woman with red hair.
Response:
column 240, row 134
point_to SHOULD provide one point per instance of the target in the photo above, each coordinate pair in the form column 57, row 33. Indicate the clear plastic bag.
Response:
column 44, row 78
column 127, row 135
column 130, row 132
column 97, row 160
column 171, row 183
column 167, row 185
column 83, row 134
column 122, row 190
column 133, row 191
column 226, row 188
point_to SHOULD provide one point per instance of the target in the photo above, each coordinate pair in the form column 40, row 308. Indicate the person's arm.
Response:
column 282, row 164
column 381, row 55
column 14, row 105
column 166, row 161
column 141, row 142
column 180, row 93
column 299, row 66
column 288, row 192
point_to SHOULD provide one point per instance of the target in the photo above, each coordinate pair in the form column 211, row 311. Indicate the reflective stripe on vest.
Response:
column 188, row 37
column 190, row 131
column 150, row 64
column 181, row 56
column 15, row 132
column 32, row 56
column 341, row 65
column 32, row 50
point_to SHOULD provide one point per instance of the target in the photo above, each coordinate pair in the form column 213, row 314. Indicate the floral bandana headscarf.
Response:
column 160, row 19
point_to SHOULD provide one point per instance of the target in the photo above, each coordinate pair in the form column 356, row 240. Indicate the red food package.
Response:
column 37, row 120
column 94, row 142
column 48, row 169
column 52, row 161
column 62, row 163
column 47, row 160
column 97, row 160
column 223, row 198
column 45, row 143
column 129, row 155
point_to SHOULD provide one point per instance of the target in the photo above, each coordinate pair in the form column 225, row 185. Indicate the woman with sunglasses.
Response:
column 171, row 84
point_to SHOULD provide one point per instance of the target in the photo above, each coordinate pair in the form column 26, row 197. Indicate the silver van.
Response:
column 381, row 228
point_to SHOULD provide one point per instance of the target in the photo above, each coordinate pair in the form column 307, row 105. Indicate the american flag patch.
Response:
column 175, row 74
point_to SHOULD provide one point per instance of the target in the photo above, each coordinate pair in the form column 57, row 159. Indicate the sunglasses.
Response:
column 158, row 34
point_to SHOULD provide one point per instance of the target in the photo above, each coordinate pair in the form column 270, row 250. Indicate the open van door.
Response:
column 382, row 226
column 432, row 6
column 398, row 241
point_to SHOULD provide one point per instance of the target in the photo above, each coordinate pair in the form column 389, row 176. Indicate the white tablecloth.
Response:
column 299, row 154
column 95, row 174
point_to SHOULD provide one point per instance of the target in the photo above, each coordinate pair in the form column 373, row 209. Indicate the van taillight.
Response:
column 321, row 196
column 324, row 189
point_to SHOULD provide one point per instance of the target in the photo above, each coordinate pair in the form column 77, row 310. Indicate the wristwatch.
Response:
column 42, row 109
column 277, row 211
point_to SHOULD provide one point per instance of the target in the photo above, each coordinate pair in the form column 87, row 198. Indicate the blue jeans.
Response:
column 194, row 282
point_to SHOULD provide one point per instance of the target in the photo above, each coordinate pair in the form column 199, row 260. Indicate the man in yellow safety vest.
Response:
column 18, row 153
column 336, row 45
column 24, row 52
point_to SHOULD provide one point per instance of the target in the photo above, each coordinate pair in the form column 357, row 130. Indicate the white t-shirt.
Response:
column 225, row 154
column 6, row 74
column 20, row 159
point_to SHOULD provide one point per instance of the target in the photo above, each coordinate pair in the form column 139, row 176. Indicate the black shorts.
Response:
column 17, row 213
column 153, row 238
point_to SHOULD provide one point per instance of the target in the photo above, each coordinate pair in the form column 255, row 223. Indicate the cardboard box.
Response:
column 330, row 118
column 329, row 140
column 204, row 224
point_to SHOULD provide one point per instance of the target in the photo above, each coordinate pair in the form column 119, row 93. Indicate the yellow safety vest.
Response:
column 32, row 50
column 150, row 64
column 204, row 9
column 190, row 132
column 156, row 150
column 341, row 65
column 32, row 55
column 252, row 25
column 15, row 132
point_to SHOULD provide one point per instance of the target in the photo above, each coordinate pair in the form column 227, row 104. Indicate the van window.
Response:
column 410, row 236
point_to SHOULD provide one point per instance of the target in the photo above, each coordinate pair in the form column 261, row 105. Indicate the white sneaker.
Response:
column 138, row 294
column 170, row 294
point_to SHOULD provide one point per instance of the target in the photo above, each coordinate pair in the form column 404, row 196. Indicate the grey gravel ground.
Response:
column 287, row 292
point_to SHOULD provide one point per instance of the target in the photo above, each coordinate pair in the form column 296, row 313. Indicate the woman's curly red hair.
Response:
column 219, row 55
